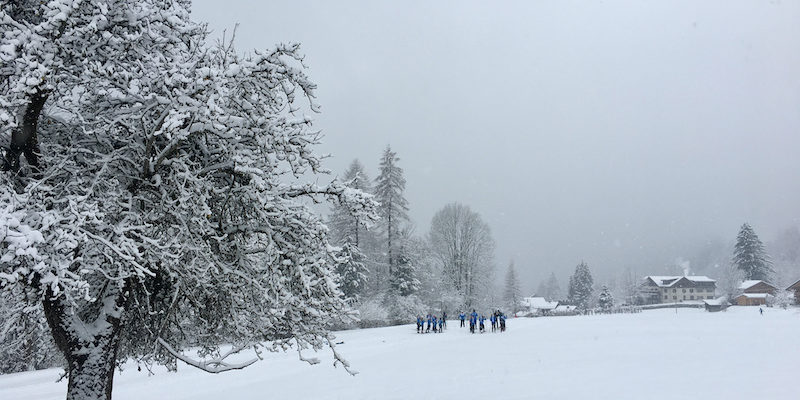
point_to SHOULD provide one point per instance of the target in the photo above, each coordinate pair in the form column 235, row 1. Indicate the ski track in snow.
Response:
column 658, row 354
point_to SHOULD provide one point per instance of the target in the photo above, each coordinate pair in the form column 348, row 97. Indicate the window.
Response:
column 674, row 297
column 710, row 297
column 691, row 297
column 684, row 290
column 691, row 290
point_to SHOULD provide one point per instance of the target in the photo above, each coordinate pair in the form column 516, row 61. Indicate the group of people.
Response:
column 438, row 324
column 497, row 318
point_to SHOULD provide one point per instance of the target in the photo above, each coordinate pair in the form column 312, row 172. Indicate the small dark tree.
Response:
column 404, row 278
column 749, row 255
column 512, row 294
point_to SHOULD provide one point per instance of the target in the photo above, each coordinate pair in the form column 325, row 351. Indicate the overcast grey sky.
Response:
column 623, row 133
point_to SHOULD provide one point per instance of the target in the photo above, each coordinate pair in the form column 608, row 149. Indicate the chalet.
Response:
column 715, row 305
column 754, row 286
column 751, row 299
column 796, row 289
column 754, row 293
column 537, row 306
column 676, row 289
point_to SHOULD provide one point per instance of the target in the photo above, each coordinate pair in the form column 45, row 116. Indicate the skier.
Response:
column 462, row 316
column 434, row 324
column 761, row 310
column 502, row 322
column 444, row 319
column 441, row 324
column 419, row 324
column 483, row 327
column 493, row 320
column 429, row 324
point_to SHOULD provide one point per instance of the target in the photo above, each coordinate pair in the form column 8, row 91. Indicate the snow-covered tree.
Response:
column 749, row 255
column 352, row 271
column 580, row 286
column 606, row 300
column 389, row 187
column 463, row 246
column 345, row 228
column 512, row 294
column 404, row 276
column 26, row 340
column 161, row 188
column 552, row 288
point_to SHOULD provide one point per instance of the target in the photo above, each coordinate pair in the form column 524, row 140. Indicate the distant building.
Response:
column 676, row 289
column 796, row 289
column 751, row 299
column 715, row 305
column 757, row 287
column 537, row 306
column 754, row 293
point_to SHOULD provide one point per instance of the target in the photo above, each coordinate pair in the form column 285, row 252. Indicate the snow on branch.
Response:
column 338, row 359
column 215, row 365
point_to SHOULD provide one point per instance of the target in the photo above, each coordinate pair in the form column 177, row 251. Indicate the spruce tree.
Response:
column 404, row 278
column 580, row 286
column 606, row 300
column 512, row 294
column 393, row 209
column 552, row 289
column 749, row 255
column 352, row 271
column 345, row 228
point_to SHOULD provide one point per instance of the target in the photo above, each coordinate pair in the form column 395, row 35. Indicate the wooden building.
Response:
column 751, row 299
column 796, row 289
column 755, row 286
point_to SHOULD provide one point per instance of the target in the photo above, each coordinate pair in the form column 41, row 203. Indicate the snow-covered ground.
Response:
column 658, row 354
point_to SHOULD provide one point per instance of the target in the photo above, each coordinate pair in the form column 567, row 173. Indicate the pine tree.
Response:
column 352, row 271
column 606, row 300
column 512, row 294
column 580, row 286
column 345, row 228
column 552, row 289
column 749, row 255
column 404, row 279
column 393, row 209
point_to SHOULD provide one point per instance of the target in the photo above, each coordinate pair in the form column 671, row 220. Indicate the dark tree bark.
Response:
column 24, row 139
column 89, row 348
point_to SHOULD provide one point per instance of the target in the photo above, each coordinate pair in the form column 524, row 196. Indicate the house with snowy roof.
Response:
column 536, row 305
column 754, row 293
column 676, row 289
column 795, row 287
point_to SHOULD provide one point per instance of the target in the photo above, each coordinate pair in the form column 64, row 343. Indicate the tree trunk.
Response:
column 90, row 348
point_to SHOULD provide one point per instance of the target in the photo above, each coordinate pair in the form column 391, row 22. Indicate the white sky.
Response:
column 623, row 133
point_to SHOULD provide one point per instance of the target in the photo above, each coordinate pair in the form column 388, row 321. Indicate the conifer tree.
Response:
column 580, row 286
column 606, row 300
column 552, row 289
column 749, row 255
column 512, row 294
column 393, row 209
column 404, row 279
column 352, row 271
column 345, row 228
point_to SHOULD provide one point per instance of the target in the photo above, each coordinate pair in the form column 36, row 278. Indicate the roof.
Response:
column 795, row 285
column 668, row 281
column 719, row 301
column 540, row 303
column 748, row 284
column 754, row 295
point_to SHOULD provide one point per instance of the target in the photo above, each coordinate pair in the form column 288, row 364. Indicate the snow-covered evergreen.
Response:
column 606, row 299
column 580, row 287
column 512, row 294
column 750, row 257
column 389, row 187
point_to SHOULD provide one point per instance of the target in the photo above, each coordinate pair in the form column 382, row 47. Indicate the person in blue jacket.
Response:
column 429, row 324
column 473, row 320
column 434, row 324
column 493, row 320
column 483, row 326
column 441, row 324
column 419, row 321
column 462, row 317
column 502, row 322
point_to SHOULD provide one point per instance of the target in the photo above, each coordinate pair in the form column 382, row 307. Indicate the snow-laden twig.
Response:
column 338, row 359
column 213, row 366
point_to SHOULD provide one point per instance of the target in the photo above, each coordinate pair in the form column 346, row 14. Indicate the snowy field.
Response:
column 657, row 354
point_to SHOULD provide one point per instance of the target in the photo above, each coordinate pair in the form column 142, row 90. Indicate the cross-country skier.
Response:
column 434, row 324
column 483, row 327
column 429, row 324
column 462, row 317
column 441, row 324
column 444, row 318
column 493, row 320
column 419, row 324
column 502, row 323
